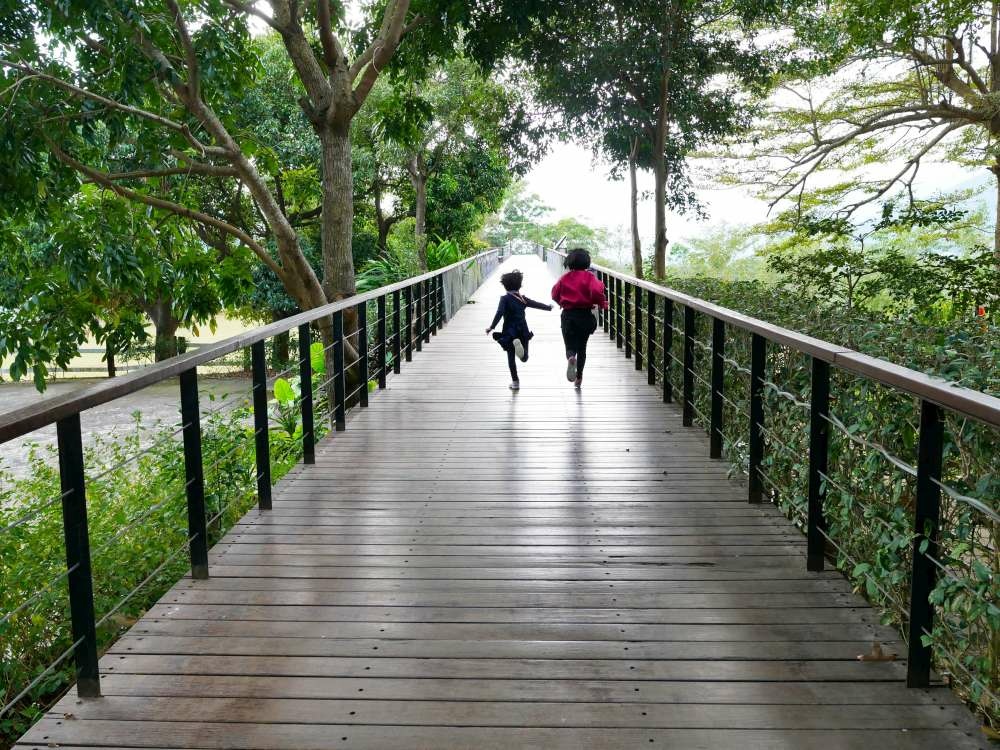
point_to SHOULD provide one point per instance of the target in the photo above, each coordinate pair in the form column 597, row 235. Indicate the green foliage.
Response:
column 97, row 265
column 878, row 265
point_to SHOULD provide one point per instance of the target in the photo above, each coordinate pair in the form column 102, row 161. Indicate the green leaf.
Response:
column 283, row 391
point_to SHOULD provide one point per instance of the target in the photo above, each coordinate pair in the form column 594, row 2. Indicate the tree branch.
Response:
column 333, row 54
column 208, row 170
column 191, row 59
column 383, row 48
column 250, row 9
column 103, row 179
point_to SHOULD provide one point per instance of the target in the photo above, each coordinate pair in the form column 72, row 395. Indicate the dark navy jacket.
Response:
column 515, row 326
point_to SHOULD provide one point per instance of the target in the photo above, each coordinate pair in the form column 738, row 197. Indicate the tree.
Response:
column 885, row 83
column 729, row 253
column 649, row 82
column 99, row 266
column 455, row 117
column 517, row 219
column 840, row 263
column 144, row 99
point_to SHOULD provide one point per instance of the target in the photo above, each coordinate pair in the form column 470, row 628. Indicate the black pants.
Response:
column 577, row 326
column 512, row 358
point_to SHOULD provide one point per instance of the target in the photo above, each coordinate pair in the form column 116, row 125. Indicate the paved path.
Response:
column 471, row 568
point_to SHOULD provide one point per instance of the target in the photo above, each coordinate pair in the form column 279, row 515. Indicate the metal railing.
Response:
column 406, row 315
column 644, row 320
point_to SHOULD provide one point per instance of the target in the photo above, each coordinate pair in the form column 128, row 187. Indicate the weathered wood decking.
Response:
column 471, row 568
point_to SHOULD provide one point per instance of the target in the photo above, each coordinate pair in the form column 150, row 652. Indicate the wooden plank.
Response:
column 500, row 714
column 861, row 630
column 506, row 649
column 231, row 736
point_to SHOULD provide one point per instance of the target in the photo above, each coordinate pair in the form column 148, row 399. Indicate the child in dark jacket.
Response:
column 577, row 292
column 514, row 336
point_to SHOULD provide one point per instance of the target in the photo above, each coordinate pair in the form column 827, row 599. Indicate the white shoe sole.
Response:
column 519, row 350
column 571, row 369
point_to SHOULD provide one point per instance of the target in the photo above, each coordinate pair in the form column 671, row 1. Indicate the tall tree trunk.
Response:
column 336, row 232
column 280, row 347
column 338, row 212
column 109, row 358
column 165, row 342
column 418, row 178
column 634, row 213
column 381, row 221
column 660, row 193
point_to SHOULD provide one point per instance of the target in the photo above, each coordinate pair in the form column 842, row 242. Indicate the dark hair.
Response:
column 512, row 281
column 578, row 259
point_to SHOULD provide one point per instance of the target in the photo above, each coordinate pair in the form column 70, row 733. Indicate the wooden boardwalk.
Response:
column 471, row 568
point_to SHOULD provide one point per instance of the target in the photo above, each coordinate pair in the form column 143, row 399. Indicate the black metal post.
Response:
column 638, row 328
column 396, row 331
column 668, row 343
column 428, row 310
column 194, row 474
column 420, row 315
column 819, row 453
column 436, row 295
column 758, row 360
column 380, row 346
column 650, row 337
column 718, row 385
column 408, row 341
column 688, row 412
column 614, row 328
column 306, row 394
column 926, row 523
column 627, row 318
column 619, row 315
column 77, row 538
column 260, row 426
column 605, row 316
column 339, row 396
column 362, row 309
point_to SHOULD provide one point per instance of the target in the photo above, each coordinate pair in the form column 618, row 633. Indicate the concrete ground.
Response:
column 158, row 404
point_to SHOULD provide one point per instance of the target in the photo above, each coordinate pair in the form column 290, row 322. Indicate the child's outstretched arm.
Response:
column 500, row 311
column 537, row 305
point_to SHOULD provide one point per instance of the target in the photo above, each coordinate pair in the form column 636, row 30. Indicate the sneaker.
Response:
column 519, row 350
column 578, row 383
column 571, row 368
column 515, row 386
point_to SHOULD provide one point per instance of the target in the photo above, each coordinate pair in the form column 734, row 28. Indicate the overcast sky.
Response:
column 574, row 186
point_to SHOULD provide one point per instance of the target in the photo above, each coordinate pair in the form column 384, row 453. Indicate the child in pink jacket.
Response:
column 577, row 292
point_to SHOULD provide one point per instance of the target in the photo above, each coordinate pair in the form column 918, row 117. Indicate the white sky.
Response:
column 569, row 181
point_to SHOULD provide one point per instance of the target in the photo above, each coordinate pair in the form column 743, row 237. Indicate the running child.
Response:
column 577, row 292
column 514, row 336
